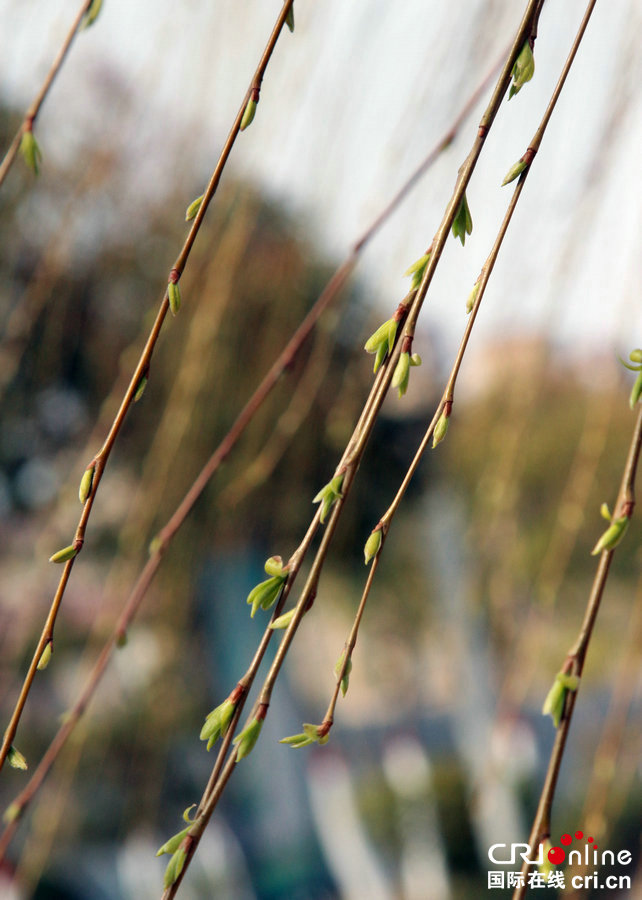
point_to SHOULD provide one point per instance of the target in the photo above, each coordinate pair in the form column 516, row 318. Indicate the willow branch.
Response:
column 32, row 113
column 576, row 656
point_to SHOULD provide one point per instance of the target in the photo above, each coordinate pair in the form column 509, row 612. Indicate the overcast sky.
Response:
column 351, row 103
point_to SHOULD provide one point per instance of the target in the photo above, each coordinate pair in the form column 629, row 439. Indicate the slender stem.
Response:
column 574, row 663
column 34, row 109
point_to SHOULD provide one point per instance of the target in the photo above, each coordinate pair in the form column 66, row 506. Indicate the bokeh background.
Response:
column 439, row 747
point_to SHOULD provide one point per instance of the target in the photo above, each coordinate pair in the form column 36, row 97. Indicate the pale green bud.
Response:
column 401, row 375
column 417, row 270
column 274, row 566
column 140, row 388
column 12, row 813
column 463, row 221
column 217, row 723
column 636, row 356
column 523, row 70
column 282, row 621
column 246, row 740
column 186, row 814
column 92, row 14
column 612, row 536
column 16, row 760
column 86, row 483
column 472, row 297
column 556, row 697
column 174, row 867
column 328, row 496
column 382, row 341
column 415, row 359
column 248, row 115
column 441, row 429
column 605, row 512
column 312, row 734
column 30, row 151
column 65, row 554
column 372, row 545
column 515, row 171
column 174, row 297
column 193, row 208
column 264, row 594
column 172, row 845
column 345, row 681
column 45, row 656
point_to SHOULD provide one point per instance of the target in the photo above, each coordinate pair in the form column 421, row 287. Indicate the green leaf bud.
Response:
column 265, row 594
column 193, row 208
column 12, row 813
column 65, row 554
column 636, row 356
column 382, row 341
column 372, row 545
column 289, row 19
column 172, row 845
column 217, row 722
column 415, row 359
column 463, row 221
column 45, row 656
column 282, row 621
column 174, row 867
column 296, row 741
column 92, row 14
column 523, row 70
column 174, row 297
column 605, row 512
column 612, row 536
column 417, row 270
column 248, row 115
column 401, row 375
column 345, row 681
column 274, row 566
column 441, row 429
column 472, row 297
column 30, row 151
column 16, row 760
column 186, row 814
column 316, row 733
column 556, row 697
column 515, row 171
column 140, row 388
column 246, row 740
column 328, row 496
column 86, row 483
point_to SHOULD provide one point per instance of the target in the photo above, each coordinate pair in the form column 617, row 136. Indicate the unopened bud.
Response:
column 372, row 545
column 289, row 19
column 401, row 375
column 441, row 428
column 30, row 151
column 174, row 297
column 523, row 70
column 515, row 171
column 65, row 554
column 45, row 656
column 16, row 760
column 86, row 483
column 246, row 740
column 193, row 208
column 92, row 14
column 174, row 867
column 248, row 115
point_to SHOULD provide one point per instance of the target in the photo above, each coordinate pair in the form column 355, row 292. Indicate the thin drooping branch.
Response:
column 98, row 463
column 285, row 359
column 32, row 113
column 574, row 663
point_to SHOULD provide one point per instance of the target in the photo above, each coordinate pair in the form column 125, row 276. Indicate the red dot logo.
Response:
column 566, row 839
column 556, row 855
